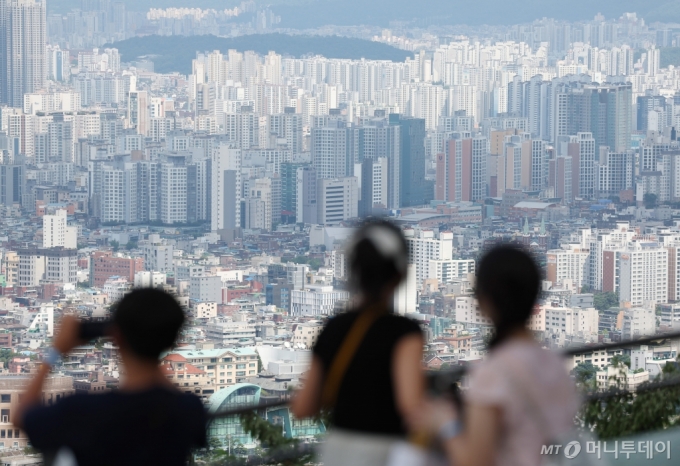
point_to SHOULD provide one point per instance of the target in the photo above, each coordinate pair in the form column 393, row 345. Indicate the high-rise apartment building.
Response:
column 426, row 245
column 462, row 170
column 567, row 264
column 54, row 265
column 602, row 262
column 288, row 172
column 23, row 66
column 374, row 185
column 414, row 189
column 138, row 111
column 337, row 200
column 306, row 209
column 645, row 104
column 57, row 233
column 173, row 190
column 287, row 126
column 258, row 205
column 615, row 172
column 330, row 155
column 12, row 183
column 643, row 273
column 60, row 138
column 574, row 104
column 582, row 149
column 226, row 188
column 377, row 139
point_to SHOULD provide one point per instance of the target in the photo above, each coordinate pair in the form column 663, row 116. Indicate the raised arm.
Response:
column 65, row 341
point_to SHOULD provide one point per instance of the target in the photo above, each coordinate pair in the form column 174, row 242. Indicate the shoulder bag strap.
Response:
column 346, row 353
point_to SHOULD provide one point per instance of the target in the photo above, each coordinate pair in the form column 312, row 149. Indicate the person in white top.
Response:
column 520, row 397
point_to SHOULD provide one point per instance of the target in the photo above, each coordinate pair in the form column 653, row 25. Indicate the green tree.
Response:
column 649, row 200
column 131, row 245
column 115, row 245
column 6, row 356
column 584, row 372
column 271, row 437
column 604, row 301
column 619, row 359
column 617, row 413
column 316, row 264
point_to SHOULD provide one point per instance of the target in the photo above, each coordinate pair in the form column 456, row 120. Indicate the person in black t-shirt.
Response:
column 146, row 422
column 382, row 382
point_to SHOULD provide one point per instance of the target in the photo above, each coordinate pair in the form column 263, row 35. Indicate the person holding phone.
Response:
column 147, row 421
column 521, row 396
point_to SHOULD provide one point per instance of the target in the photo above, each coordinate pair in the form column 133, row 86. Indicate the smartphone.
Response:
column 92, row 330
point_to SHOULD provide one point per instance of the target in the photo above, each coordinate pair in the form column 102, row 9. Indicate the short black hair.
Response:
column 149, row 321
column 510, row 279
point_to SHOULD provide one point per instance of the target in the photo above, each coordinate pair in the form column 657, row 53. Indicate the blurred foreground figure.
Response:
column 146, row 422
column 520, row 397
column 367, row 363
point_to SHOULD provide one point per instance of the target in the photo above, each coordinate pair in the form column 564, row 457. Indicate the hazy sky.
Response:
column 313, row 13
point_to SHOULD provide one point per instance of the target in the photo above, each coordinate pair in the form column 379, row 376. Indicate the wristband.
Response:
column 450, row 430
column 53, row 356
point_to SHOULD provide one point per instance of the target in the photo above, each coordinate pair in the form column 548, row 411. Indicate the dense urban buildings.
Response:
column 235, row 185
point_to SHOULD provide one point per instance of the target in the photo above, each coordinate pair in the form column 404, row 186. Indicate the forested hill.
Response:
column 174, row 53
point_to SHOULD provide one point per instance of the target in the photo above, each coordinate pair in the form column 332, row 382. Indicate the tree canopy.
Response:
column 606, row 300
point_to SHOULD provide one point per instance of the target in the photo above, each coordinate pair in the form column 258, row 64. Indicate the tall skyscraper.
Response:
column 23, row 65
column 415, row 190
column 306, row 194
column 329, row 151
column 226, row 188
column 288, row 191
column 645, row 104
column 462, row 170
column 581, row 149
column 138, row 111
column 378, row 139
column 12, row 182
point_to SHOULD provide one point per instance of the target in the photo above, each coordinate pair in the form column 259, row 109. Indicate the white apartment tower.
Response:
column 569, row 263
column 173, row 191
column 329, row 151
column 258, row 205
column 426, row 245
column 57, row 233
column 337, row 200
column 643, row 273
column 23, row 35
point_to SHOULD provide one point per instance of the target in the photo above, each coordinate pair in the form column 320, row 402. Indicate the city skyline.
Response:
column 234, row 178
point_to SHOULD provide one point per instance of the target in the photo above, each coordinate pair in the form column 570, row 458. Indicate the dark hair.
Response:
column 149, row 321
column 378, row 257
column 509, row 279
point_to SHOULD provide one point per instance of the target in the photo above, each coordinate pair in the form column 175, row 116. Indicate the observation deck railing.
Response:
column 441, row 381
